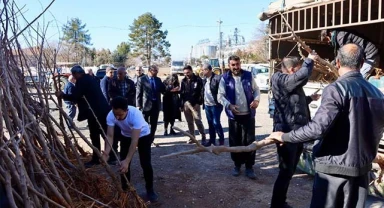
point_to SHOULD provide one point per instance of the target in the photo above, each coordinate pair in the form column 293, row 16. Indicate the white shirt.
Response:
column 208, row 97
column 133, row 120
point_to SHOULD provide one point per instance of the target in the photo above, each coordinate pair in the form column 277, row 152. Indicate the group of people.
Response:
column 128, row 110
column 347, row 127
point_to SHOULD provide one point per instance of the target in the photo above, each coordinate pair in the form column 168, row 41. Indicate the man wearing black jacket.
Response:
column 104, row 83
column 291, row 112
column 87, row 87
column 348, row 127
column 191, row 94
column 338, row 38
column 148, row 91
column 122, row 86
column 211, row 106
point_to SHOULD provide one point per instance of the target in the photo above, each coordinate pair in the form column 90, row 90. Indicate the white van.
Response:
column 176, row 67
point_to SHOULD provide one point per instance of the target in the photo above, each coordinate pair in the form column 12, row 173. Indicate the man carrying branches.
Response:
column 348, row 127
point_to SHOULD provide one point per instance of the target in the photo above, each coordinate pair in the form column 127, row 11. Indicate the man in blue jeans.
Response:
column 212, row 108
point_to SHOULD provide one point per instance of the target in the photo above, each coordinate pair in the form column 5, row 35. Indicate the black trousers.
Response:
column 242, row 133
column 289, row 155
column 95, row 133
column 152, row 116
column 144, row 148
column 336, row 191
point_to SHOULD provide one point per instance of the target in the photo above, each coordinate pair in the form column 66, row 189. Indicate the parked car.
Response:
column 176, row 67
column 101, row 73
column 260, row 73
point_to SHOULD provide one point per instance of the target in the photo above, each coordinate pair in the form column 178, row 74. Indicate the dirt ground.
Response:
column 205, row 180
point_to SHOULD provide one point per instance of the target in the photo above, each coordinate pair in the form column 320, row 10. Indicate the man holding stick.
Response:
column 191, row 98
column 135, row 134
column 88, row 88
column 291, row 112
column 348, row 127
column 240, row 96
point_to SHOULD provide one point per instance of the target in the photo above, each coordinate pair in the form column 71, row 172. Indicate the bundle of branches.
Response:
column 41, row 164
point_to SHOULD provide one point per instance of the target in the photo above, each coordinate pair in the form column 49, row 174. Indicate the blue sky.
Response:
column 187, row 22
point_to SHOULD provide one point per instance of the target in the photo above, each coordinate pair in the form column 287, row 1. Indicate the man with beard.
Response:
column 135, row 134
column 88, row 88
column 291, row 112
column 191, row 91
column 240, row 96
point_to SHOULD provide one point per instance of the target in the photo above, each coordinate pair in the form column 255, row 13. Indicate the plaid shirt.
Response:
column 123, row 88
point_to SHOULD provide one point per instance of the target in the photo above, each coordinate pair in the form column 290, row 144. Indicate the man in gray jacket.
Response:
column 348, row 127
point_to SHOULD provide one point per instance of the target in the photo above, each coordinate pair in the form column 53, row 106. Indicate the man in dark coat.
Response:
column 88, row 88
column 347, row 128
column 338, row 38
column 191, row 92
column 104, row 83
column 122, row 86
column 148, row 91
column 291, row 112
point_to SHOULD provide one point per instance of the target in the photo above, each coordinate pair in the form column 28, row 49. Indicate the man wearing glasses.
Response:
column 240, row 95
column 135, row 134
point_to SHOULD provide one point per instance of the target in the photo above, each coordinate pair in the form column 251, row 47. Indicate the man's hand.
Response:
column 254, row 104
column 276, row 136
column 176, row 89
column 124, row 166
column 59, row 94
column 313, row 56
column 234, row 108
column 315, row 97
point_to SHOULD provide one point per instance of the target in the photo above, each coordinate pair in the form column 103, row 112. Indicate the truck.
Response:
column 215, row 63
column 176, row 67
column 307, row 18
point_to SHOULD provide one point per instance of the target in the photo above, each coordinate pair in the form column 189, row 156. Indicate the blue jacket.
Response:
column 230, row 91
column 104, row 83
column 69, row 88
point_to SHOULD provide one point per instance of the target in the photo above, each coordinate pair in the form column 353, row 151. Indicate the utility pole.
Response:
column 220, row 38
column 190, row 56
